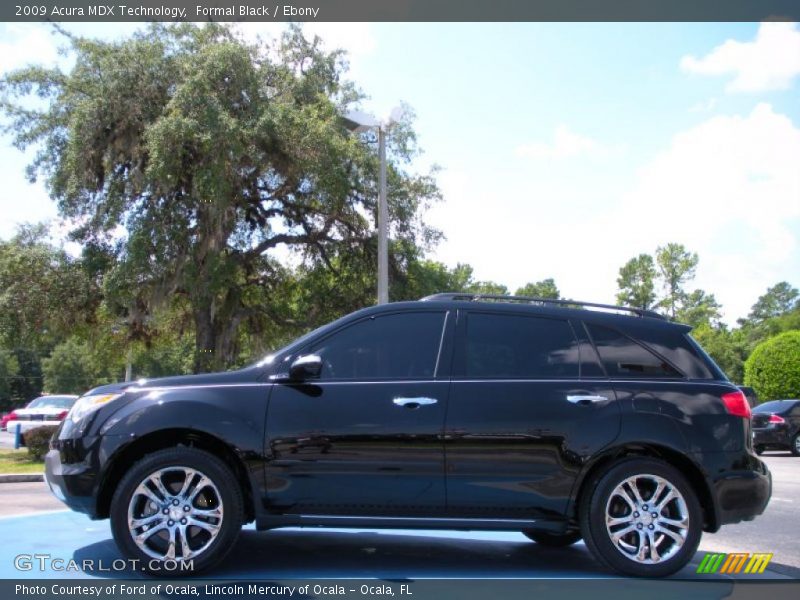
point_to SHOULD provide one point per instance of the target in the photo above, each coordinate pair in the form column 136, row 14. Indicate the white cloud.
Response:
column 770, row 62
column 565, row 144
column 27, row 44
column 728, row 188
column 704, row 106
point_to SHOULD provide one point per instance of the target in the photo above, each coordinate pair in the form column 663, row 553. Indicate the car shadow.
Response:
column 375, row 554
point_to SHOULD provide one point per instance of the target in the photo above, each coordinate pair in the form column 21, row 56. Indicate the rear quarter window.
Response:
column 624, row 357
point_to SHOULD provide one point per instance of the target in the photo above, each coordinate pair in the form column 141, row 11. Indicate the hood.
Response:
column 247, row 375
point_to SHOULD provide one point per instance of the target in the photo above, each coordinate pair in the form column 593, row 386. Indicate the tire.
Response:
column 553, row 540
column 759, row 449
column 795, row 447
column 193, row 481
column 632, row 553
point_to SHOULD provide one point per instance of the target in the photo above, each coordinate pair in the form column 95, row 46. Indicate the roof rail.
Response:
column 471, row 297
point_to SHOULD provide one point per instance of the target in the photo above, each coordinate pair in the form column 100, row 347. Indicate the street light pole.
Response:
column 358, row 121
column 383, row 224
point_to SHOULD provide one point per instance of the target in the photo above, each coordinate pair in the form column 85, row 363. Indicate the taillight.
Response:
column 62, row 415
column 736, row 404
column 777, row 419
column 13, row 416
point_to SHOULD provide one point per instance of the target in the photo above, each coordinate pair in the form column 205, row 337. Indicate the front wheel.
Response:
column 553, row 540
column 641, row 518
column 177, row 511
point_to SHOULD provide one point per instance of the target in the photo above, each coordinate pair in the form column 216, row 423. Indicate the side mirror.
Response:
column 305, row 367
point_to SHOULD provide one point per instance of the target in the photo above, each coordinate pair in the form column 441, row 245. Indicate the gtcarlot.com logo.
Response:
column 736, row 562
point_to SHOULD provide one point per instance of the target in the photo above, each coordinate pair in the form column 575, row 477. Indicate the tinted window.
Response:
column 519, row 346
column 622, row 357
column 398, row 346
column 775, row 406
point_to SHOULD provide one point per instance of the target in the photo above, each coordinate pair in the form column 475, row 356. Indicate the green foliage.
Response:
column 9, row 368
column 676, row 265
column 37, row 440
column 725, row 347
column 69, row 369
column 779, row 300
column 227, row 151
column 773, row 368
column 699, row 308
column 44, row 294
column 546, row 288
column 636, row 282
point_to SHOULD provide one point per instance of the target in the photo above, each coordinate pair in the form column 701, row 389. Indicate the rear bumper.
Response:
column 772, row 437
column 742, row 494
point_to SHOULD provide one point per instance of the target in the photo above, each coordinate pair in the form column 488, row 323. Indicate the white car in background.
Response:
column 41, row 411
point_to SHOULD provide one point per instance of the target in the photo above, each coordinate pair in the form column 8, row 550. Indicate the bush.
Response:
column 773, row 368
column 38, row 440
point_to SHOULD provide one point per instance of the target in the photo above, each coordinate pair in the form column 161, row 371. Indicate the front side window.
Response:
column 623, row 357
column 517, row 346
column 396, row 346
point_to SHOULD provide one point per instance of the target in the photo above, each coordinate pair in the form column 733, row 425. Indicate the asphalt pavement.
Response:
column 35, row 521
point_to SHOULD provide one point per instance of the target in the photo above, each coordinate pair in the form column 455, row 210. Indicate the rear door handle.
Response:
column 414, row 402
column 585, row 398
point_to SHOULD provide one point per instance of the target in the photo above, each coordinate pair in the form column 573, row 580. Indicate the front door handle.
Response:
column 585, row 398
column 415, row 402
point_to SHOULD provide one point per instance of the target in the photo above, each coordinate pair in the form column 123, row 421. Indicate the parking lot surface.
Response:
column 33, row 523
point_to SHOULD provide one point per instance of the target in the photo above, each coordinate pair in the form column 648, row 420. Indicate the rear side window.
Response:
column 623, row 357
column 517, row 346
column 395, row 346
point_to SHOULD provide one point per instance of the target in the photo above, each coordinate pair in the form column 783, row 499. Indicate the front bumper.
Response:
column 73, row 484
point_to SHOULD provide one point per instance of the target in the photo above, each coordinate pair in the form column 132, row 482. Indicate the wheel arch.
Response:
column 680, row 461
column 161, row 439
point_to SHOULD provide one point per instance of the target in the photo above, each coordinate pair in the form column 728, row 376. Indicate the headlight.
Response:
column 87, row 404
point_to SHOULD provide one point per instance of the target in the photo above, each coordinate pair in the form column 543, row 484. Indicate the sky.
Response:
column 566, row 149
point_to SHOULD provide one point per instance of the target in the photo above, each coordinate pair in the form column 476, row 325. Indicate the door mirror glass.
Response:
column 305, row 367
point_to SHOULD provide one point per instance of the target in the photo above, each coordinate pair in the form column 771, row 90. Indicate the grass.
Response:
column 19, row 461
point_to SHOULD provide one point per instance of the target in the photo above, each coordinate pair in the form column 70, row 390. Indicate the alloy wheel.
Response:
column 647, row 519
column 175, row 513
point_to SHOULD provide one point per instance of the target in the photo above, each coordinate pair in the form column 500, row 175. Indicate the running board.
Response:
column 463, row 524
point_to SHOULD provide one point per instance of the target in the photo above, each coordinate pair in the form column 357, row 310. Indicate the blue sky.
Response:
column 568, row 148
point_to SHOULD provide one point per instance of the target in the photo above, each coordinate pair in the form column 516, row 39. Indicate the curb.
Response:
column 20, row 477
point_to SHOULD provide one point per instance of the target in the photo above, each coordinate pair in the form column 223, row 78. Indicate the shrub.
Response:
column 38, row 440
column 773, row 368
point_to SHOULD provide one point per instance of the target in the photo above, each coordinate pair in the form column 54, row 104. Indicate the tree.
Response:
column 44, row 293
column 69, row 369
column 773, row 368
column 226, row 152
column 636, row 282
column 699, row 308
column 546, row 288
column 676, row 266
column 8, row 370
column 725, row 347
column 778, row 300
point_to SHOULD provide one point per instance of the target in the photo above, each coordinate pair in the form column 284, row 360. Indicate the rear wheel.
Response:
column 795, row 449
column 553, row 540
column 641, row 518
column 174, row 506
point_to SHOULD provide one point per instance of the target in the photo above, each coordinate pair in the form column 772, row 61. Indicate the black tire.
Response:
column 759, row 449
column 222, row 483
column 553, row 540
column 600, row 495
column 795, row 447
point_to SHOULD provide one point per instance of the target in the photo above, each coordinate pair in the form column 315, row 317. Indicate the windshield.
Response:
column 52, row 402
column 774, row 406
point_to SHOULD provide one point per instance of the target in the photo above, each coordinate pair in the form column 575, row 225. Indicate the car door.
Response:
column 521, row 419
column 366, row 437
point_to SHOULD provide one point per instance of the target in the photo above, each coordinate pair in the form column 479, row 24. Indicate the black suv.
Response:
column 562, row 420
